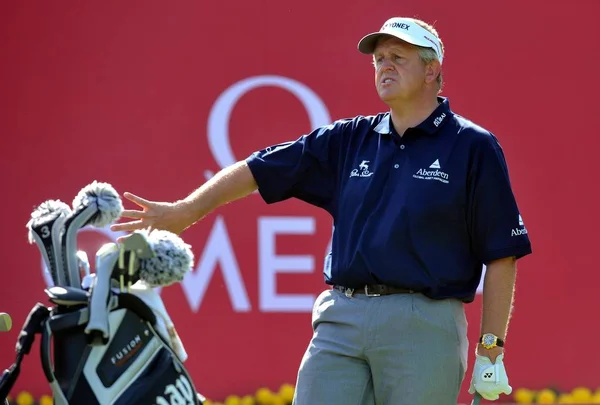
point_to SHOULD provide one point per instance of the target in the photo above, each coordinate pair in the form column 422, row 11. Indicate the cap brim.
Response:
column 367, row 43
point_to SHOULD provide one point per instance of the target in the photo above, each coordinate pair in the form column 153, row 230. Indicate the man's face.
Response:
column 400, row 73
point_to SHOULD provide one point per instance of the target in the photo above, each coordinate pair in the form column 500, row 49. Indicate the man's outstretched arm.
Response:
column 229, row 184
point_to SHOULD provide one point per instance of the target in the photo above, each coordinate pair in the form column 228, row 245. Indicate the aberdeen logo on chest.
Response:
column 434, row 172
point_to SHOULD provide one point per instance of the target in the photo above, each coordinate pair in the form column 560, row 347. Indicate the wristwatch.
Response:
column 489, row 341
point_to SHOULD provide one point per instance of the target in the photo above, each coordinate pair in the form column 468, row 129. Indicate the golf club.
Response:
column 46, row 230
column 97, row 205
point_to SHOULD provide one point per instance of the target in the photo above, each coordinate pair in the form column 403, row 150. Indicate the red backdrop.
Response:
column 153, row 96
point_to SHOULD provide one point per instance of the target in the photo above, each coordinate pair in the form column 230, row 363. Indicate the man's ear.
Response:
column 432, row 71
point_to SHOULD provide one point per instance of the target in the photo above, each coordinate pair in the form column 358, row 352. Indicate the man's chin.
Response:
column 392, row 97
column 388, row 97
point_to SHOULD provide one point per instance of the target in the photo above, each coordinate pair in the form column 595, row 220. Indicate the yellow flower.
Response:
column 46, row 400
column 565, row 398
column 286, row 392
column 277, row 400
column 546, row 397
column 25, row 398
column 524, row 396
column 581, row 395
column 264, row 396
column 233, row 400
column 247, row 400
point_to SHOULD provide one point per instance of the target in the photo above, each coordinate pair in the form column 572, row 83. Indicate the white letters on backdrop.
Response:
column 269, row 263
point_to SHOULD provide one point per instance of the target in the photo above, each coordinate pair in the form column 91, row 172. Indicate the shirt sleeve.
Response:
column 497, row 227
column 305, row 169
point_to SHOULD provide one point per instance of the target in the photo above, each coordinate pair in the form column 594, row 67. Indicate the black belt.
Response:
column 373, row 290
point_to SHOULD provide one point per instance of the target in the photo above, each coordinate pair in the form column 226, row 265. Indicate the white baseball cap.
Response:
column 405, row 29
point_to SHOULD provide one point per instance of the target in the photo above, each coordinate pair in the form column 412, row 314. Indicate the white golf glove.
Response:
column 490, row 380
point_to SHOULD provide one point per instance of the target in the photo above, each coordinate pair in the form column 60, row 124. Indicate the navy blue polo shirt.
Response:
column 423, row 211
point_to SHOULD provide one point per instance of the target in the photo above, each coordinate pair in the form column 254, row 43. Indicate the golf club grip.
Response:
column 476, row 399
column 97, row 329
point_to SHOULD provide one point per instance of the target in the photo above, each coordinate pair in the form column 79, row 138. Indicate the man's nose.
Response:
column 386, row 65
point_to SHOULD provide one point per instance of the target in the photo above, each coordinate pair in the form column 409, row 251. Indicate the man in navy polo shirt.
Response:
column 420, row 199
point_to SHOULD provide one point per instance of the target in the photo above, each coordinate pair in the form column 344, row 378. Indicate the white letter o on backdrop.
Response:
column 220, row 114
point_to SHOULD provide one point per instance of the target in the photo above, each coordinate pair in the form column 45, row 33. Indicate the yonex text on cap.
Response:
column 405, row 29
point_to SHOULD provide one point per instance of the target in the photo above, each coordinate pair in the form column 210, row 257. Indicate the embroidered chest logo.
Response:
column 433, row 173
column 362, row 171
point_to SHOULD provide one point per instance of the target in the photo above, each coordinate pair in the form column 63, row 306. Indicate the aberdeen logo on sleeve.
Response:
column 434, row 172
column 520, row 230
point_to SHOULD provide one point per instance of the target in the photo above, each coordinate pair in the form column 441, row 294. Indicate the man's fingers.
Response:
column 127, row 226
column 134, row 214
column 136, row 199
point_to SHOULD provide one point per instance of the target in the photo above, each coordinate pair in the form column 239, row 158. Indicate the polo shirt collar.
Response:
column 430, row 125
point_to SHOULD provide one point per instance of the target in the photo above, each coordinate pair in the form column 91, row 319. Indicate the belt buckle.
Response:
column 368, row 294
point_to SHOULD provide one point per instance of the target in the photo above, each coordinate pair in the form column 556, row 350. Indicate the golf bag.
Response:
column 137, row 366
column 107, row 339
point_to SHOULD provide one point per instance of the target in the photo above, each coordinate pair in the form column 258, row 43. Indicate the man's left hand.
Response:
column 489, row 377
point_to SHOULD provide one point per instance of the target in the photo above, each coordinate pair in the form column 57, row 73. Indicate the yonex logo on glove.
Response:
column 489, row 379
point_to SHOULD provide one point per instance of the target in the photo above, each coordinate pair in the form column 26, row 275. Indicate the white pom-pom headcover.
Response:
column 173, row 258
column 107, row 201
column 45, row 209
